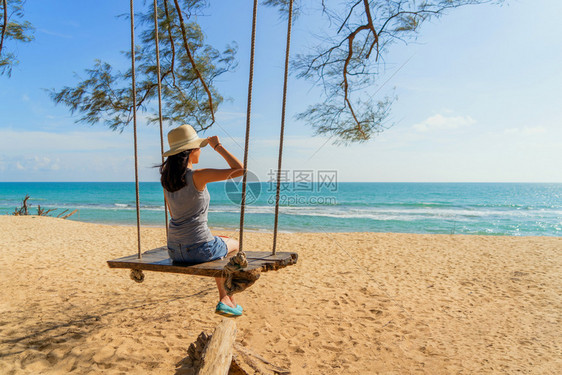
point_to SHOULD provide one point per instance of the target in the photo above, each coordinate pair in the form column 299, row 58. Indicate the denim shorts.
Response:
column 198, row 253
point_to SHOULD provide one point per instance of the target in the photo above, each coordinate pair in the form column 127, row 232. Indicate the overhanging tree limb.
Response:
column 4, row 25
column 347, row 65
column 188, row 92
column 13, row 29
column 190, row 56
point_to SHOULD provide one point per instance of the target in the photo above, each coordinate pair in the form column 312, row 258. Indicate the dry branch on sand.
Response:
column 24, row 210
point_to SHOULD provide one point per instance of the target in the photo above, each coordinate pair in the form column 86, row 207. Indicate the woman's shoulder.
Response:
column 187, row 177
column 194, row 177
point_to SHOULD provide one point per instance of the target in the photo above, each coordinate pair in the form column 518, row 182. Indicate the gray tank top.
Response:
column 188, row 208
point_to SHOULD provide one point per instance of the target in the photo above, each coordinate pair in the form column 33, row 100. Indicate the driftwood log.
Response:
column 217, row 356
column 210, row 354
column 220, row 354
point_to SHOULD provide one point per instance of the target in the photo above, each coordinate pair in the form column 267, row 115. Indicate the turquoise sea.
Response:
column 462, row 208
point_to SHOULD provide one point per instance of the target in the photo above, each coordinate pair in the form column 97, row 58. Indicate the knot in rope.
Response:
column 235, row 281
column 236, row 262
column 137, row 276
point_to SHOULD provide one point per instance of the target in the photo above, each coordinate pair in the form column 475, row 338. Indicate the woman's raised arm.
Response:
column 202, row 177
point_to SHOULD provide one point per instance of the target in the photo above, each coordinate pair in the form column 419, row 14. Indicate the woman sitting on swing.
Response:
column 185, row 189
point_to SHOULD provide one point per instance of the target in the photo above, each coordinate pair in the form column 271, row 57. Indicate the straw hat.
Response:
column 184, row 138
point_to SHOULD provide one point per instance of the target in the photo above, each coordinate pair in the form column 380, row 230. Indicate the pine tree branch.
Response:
column 190, row 56
column 350, row 39
column 172, row 45
column 4, row 25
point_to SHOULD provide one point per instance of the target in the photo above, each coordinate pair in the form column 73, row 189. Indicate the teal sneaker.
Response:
column 230, row 312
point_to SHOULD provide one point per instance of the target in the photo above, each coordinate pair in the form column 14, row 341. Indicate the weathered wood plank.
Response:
column 157, row 260
column 217, row 356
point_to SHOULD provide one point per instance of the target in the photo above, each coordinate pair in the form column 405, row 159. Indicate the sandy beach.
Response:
column 356, row 303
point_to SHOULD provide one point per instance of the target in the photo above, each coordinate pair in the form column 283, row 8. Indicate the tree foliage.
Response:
column 189, row 68
column 12, row 28
column 348, row 61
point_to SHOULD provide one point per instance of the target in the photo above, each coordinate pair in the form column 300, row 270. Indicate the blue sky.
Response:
column 478, row 99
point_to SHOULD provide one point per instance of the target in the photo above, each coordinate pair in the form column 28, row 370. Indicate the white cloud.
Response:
column 84, row 155
column 527, row 130
column 441, row 122
column 54, row 33
column 397, row 155
column 17, row 142
column 31, row 163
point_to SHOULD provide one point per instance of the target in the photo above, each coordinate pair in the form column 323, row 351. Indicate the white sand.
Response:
column 356, row 303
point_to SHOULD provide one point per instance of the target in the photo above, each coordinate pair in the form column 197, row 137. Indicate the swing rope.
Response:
column 159, row 77
column 234, row 282
column 281, row 136
column 135, row 126
column 248, row 115
column 238, row 283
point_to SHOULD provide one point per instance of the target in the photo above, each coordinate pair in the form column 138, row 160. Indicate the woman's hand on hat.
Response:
column 213, row 141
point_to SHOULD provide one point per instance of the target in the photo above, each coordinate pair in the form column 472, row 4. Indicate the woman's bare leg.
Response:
column 223, row 297
column 232, row 245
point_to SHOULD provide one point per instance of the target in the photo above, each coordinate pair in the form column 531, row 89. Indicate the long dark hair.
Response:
column 172, row 171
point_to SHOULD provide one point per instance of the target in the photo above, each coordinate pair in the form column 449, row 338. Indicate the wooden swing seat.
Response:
column 159, row 261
